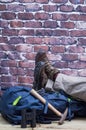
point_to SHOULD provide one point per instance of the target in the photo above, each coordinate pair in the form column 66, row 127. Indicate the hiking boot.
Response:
column 43, row 70
column 40, row 77
column 48, row 68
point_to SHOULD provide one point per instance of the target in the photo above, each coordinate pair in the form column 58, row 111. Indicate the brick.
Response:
column 29, row 32
column 51, row 40
column 2, row 7
column 76, row 49
column 16, row 40
column 17, row 71
column 0, row 80
column 26, row 80
column 8, row 79
column 61, row 64
column 69, row 25
column 8, row 63
column 77, row 65
column 16, row 24
column 7, row 47
column 25, row 16
column 69, row 72
column 81, row 8
column 61, row 17
column 0, row 63
column 5, row 85
column 41, row 16
column 15, row 7
column 4, row 24
column 82, row 58
column 78, row 17
column 9, row 32
column 77, row 1
column 70, row 57
column 60, row 1
column 33, row 40
column 2, row 55
column 24, row 48
column 42, row 32
column 29, row 72
column 13, row 56
column 33, row 24
column 26, row 1
column 30, row 56
column 0, row 32
column 6, row 1
column 74, row 17
column 4, row 70
column 66, row 8
column 60, row 33
column 68, row 41
column 78, row 33
column 50, row 8
column 82, row 41
column 8, row 15
column 80, row 25
column 50, row 24
column 26, row 64
column 37, row 48
column 3, row 40
column 32, row 7
column 53, row 57
column 58, row 49
column 42, row 1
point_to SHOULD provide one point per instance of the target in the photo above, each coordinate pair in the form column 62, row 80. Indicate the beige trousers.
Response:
column 73, row 86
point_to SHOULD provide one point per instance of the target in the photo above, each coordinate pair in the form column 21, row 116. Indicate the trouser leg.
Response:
column 74, row 86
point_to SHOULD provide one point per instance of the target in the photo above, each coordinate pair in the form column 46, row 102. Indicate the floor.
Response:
column 75, row 124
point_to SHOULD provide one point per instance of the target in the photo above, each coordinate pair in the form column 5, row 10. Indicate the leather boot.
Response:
column 48, row 68
column 43, row 70
column 40, row 77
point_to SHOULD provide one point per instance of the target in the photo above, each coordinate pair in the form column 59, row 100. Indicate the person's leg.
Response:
column 73, row 85
column 49, row 85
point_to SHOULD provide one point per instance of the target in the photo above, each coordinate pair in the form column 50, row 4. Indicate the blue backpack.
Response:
column 18, row 98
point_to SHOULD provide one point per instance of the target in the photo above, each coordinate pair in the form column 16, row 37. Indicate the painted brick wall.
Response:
column 57, row 26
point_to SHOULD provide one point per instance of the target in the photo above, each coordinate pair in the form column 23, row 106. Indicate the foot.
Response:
column 43, row 70
column 40, row 77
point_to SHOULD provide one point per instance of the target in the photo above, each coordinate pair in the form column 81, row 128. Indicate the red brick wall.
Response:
column 57, row 26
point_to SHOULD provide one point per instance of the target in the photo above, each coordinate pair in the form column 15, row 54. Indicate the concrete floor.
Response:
column 75, row 124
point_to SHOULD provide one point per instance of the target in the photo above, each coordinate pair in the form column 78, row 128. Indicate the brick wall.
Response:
column 57, row 26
